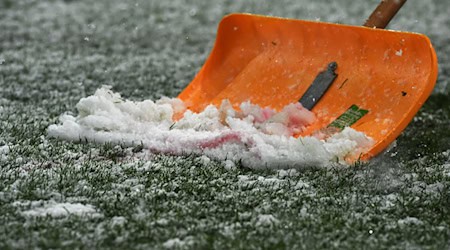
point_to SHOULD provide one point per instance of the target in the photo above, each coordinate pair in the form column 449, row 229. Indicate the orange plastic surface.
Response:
column 272, row 61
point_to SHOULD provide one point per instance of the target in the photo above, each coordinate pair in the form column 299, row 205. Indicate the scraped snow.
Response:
column 254, row 136
column 58, row 210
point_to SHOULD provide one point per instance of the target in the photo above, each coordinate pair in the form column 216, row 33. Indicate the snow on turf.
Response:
column 58, row 210
column 4, row 150
column 266, row 220
column 254, row 136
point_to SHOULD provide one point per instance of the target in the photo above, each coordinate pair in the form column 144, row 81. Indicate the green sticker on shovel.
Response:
column 349, row 117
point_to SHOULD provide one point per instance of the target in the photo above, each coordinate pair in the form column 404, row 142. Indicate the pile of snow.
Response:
column 257, row 137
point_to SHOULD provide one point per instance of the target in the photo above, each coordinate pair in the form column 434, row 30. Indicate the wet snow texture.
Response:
column 254, row 137
column 55, row 52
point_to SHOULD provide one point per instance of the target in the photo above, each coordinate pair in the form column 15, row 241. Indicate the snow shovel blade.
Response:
column 383, row 77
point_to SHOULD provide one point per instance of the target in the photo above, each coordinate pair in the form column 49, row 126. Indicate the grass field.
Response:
column 61, row 195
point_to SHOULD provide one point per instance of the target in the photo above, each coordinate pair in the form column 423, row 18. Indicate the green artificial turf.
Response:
column 53, row 53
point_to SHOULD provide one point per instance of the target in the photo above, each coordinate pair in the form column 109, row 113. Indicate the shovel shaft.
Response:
column 383, row 14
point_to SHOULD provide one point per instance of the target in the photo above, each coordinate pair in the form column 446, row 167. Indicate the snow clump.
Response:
column 253, row 136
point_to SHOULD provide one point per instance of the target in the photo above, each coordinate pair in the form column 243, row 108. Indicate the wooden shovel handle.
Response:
column 383, row 14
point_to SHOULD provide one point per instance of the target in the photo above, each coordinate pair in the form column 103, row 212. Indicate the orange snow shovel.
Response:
column 371, row 79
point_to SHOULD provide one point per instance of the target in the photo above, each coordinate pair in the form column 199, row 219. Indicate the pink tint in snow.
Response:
column 228, row 137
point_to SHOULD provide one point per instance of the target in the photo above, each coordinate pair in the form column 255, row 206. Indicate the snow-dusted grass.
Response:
column 53, row 53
